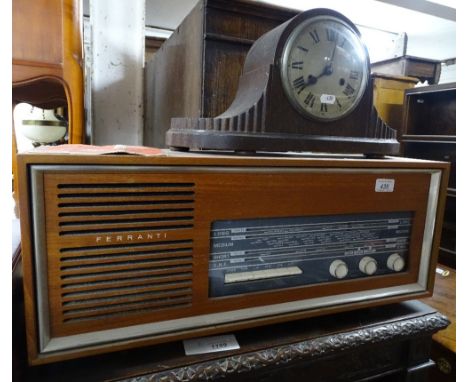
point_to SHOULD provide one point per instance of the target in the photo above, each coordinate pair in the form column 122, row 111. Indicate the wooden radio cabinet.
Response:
column 123, row 251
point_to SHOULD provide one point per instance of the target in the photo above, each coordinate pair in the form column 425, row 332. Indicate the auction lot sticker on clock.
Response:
column 210, row 344
column 327, row 98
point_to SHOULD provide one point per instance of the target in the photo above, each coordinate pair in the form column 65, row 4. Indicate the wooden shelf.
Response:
column 429, row 138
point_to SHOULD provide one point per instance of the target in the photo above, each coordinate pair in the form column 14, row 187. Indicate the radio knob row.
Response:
column 367, row 265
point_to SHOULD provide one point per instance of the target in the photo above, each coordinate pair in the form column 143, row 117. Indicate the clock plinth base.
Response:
column 214, row 140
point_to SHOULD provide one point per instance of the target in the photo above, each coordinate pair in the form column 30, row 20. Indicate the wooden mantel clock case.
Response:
column 305, row 86
column 122, row 251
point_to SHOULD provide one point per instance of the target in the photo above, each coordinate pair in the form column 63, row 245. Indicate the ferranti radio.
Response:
column 121, row 251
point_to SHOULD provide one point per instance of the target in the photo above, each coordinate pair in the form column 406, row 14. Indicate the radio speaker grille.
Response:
column 122, row 248
column 112, row 281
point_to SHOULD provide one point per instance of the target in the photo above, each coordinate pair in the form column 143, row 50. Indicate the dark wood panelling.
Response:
column 429, row 132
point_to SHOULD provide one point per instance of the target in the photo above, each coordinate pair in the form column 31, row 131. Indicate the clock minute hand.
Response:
column 333, row 53
column 328, row 68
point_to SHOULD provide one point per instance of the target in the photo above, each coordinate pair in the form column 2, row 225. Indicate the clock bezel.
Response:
column 287, row 88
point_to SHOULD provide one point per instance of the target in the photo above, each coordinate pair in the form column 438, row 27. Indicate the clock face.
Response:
column 324, row 68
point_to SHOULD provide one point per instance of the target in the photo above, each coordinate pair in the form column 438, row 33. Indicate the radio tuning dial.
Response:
column 338, row 269
column 395, row 262
column 368, row 265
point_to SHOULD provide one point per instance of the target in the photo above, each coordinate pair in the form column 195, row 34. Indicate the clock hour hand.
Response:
column 311, row 80
column 326, row 71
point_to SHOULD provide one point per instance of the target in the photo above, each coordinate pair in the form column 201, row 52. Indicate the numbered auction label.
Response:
column 210, row 344
column 327, row 98
column 384, row 185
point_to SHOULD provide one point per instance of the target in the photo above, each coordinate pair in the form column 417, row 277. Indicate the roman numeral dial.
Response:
column 324, row 68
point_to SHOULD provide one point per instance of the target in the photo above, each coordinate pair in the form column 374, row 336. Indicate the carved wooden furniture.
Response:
column 196, row 71
column 444, row 342
column 429, row 132
column 387, row 344
column 47, row 55
column 47, row 58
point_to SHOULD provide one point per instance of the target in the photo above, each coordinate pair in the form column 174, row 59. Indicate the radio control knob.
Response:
column 338, row 269
column 395, row 262
column 368, row 265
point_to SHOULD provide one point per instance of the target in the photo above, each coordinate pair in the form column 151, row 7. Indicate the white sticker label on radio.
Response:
column 327, row 98
column 384, row 185
column 210, row 344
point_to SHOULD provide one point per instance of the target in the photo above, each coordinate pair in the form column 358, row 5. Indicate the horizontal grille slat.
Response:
column 124, row 282
column 122, row 199
column 122, row 195
column 92, row 206
column 114, row 205
column 124, row 309
column 124, row 248
column 124, row 274
column 103, row 303
column 122, row 222
column 123, row 215
column 103, row 267
column 136, row 228
column 106, row 227
column 119, row 186
column 121, row 269
column 132, row 267
column 86, row 297
column 125, row 222
column 126, row 257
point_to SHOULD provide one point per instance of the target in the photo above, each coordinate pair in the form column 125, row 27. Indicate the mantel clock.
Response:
column 306, row 86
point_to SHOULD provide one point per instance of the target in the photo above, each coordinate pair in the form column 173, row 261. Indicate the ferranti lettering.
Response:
column 131, row 237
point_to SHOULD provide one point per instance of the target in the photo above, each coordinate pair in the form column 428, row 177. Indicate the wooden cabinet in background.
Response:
column 429, row 132
column 422, row 68
column 389, row 95
column 196, row 71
